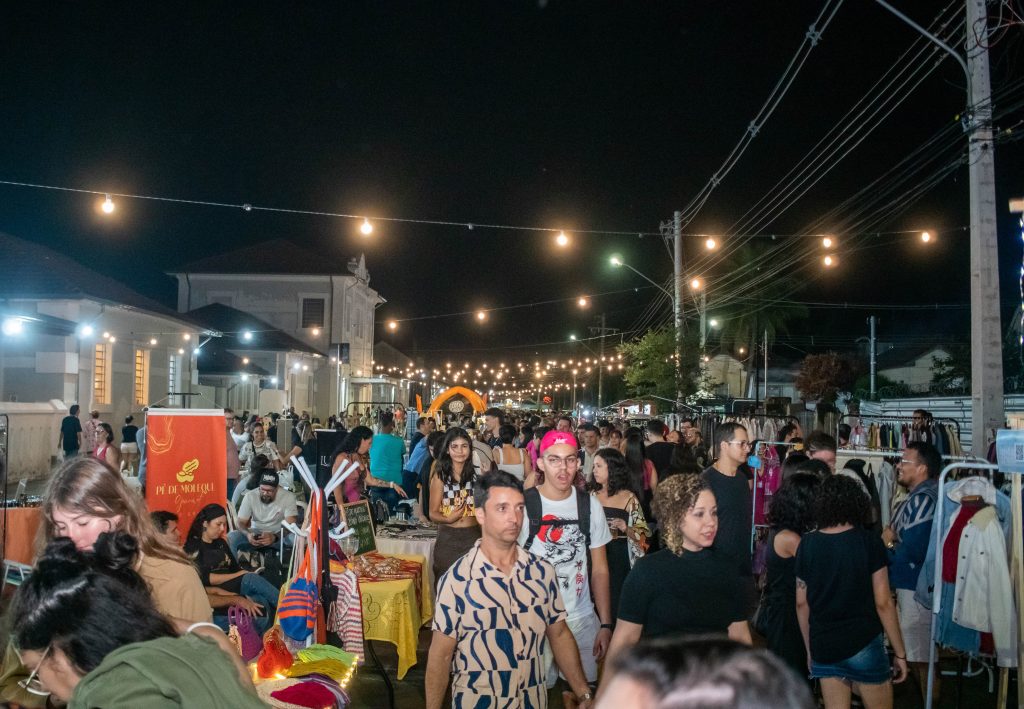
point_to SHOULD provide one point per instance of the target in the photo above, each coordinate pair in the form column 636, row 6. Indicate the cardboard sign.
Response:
column 1010, row 450
column 359, row 518
column 186, row 461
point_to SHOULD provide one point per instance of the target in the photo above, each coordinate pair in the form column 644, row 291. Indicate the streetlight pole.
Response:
column 677, row 269
column 986, row 352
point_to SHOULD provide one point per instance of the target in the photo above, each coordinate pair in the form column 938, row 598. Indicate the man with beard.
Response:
column 261, row 514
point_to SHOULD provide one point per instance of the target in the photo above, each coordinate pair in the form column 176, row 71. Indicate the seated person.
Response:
column 225, row 582
column 166, row 524
column 85, row 625
column 261, row 514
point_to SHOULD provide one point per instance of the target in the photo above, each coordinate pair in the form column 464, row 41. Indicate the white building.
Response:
column 306, row 296
column 72, row 335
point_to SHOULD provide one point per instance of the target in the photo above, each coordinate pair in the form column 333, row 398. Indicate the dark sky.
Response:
column 568, row 115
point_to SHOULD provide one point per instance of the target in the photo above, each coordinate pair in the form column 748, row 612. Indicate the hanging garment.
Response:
column 886, row 482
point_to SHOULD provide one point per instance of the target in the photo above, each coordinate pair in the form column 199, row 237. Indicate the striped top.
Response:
column 499, row 623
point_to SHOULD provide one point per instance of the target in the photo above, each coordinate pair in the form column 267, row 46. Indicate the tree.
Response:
column 650, row 364
column 951, row 374
column 822, row 377
column 757, row 303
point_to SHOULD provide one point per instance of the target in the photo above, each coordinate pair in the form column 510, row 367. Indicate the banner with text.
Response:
column 186, row 461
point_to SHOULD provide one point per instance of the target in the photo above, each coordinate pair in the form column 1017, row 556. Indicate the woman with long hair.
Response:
column 105, row 449
column 226, row 583
column 642, row 475
column 355, row 448
column 85, row 625
column 843, row 602
column 611, row 487
column 451, row 501
column 687, row 588
column 791, row 516
column 86, row 498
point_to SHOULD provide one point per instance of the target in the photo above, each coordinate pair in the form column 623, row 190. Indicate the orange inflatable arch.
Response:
column 478, row 404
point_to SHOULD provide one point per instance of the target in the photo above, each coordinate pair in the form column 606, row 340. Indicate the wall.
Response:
column 918, row 374
column 32, row 438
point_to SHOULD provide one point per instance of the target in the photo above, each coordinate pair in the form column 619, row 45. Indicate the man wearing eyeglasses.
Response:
column 907, row 541
column 733, row 496
column 562, row 525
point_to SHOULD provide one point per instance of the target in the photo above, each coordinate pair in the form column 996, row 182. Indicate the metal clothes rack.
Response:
column 882, row 418
column 937, row 532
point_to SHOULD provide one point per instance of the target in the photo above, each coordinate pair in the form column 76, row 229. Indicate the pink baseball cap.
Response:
column 554, row 437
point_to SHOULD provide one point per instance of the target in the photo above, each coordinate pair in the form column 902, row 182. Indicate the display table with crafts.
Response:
column 416, row 540
column 396, row 598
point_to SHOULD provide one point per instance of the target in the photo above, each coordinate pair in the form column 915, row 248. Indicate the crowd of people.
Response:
column 595, row 555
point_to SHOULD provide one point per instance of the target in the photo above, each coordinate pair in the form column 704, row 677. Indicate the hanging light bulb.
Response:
column 108, row 205
column 366, row 227
column 562, row 240
column 926, row 237
column 711, row 244
column 827, row 242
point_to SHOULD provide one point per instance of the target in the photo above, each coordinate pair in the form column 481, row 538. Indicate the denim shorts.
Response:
column 869, row 666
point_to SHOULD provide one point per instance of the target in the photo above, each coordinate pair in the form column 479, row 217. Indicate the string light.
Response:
column 392, row 325
column 829, row 261
column 366, row 228
column 562, row 240
column 316, row 332
column 711, row 244
column 108, row 205
column 926, row 237
column 827, row 242
column 153, row 341
column 481, row 315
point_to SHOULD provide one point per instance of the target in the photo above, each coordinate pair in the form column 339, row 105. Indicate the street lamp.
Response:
column 617, row 262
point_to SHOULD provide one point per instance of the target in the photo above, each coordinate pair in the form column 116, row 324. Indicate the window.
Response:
column 312, row 312
column 141, row 376
column 172, row 378
column 101, row 373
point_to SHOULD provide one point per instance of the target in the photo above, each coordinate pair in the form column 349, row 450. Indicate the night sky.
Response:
column 563, row 115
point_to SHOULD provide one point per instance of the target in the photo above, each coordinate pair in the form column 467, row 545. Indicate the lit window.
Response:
column 141, row 376
column 101, row 373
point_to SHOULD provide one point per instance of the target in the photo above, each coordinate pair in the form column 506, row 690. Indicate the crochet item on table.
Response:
column 275, row 658
column 326, row 652
column 334, row 669
column 346, row 613
column 306, row 694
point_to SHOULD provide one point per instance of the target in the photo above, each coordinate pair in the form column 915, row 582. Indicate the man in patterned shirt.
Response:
column 496, row 607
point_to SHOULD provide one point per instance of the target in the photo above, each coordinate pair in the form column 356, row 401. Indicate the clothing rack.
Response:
column 943, row 432
column 900, row 419
column 1015, row 555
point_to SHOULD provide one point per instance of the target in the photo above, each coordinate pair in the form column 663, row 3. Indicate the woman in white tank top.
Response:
column 512, row 460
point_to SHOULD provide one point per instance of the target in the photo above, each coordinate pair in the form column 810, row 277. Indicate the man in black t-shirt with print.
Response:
column 70, row 439
column 732, row 495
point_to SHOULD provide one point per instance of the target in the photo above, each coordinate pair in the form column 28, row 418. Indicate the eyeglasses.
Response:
column 569, row 461
column 741, row 444
column 904, row 461
column 32, row 683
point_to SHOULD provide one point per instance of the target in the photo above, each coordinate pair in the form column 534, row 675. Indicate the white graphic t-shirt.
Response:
column 564, row 547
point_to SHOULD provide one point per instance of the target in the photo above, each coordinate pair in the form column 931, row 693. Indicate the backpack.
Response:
column 535, row 511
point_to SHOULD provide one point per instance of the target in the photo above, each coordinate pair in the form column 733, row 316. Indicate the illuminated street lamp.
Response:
column 392, row 325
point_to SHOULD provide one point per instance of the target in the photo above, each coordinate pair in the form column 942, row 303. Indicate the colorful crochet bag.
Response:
column 297, row 613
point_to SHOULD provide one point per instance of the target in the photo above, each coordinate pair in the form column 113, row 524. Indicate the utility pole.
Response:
column 601, row 332
column 872, row 353
column 986, row 350
column 677, row 290
column 986, row 331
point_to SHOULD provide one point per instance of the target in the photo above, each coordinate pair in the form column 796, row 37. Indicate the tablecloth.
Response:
column 411, row 545
column 394, row 612
column 22, row 525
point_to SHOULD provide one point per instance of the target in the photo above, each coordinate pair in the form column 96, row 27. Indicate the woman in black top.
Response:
column 625, row 517
column 687, row 588
column 226, row 583
column 843, row 601
column 791, row 516
column 129, row 446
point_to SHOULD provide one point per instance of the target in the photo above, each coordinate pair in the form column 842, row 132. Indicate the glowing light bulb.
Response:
column 245, row 360
column 562, row 240
column 392, row 325
column 366, row 227
column 481, row 315
column 13, row 326
column 247, row 336
column 113, row 339
column 186, row 337
column 695, row 284
column 829, row 261
column 583, row 302
column 827, row 242
column 86, row 331
column 711, row 244
column 152, row 341
column 926, row 237
column 181, row 350
column 108, row 205
column 316, row 332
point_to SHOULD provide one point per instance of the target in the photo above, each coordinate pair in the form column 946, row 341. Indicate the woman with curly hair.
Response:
column 687, row 588
column 625, row 517
column 843, row 601
column 451, row 500
column 791, row 516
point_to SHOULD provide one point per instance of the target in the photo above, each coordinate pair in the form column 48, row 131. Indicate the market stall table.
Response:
column 394, row 610
column 416, row 541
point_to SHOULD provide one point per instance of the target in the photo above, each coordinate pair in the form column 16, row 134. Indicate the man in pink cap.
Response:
column 565, row 526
